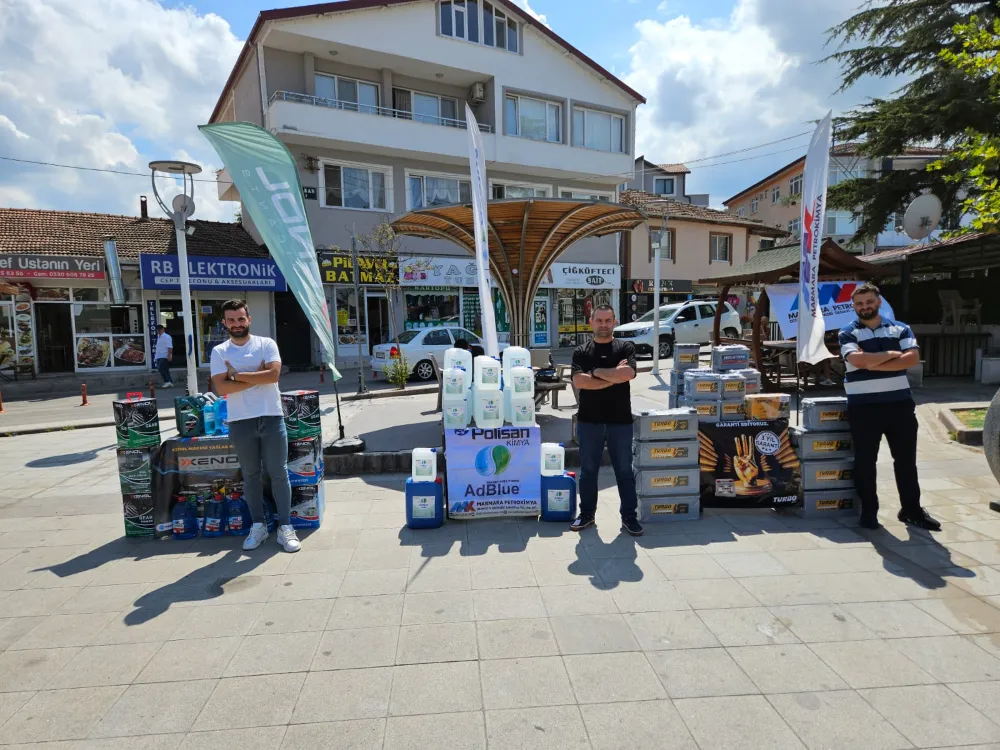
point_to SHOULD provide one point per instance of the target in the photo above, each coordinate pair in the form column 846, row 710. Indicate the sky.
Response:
column 114, row 84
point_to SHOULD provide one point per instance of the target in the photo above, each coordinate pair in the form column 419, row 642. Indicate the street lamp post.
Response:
column 182, row 208
column 657, row 248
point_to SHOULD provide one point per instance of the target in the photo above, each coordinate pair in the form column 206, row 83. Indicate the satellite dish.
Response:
column 183, row 205
column 922, row 216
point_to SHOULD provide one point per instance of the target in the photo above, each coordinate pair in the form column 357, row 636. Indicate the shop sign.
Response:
column 151, row 323
column 834, row 302
column 425, row 271
column 257, row 274
column 338, row 268
column 645, row 286
column 18, row 266
column 540, row 333
column 582, row 276
column 494, row 472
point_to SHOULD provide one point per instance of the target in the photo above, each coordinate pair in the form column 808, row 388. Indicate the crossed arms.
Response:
column 604, row 377
column 268, row 373
column 885, row 361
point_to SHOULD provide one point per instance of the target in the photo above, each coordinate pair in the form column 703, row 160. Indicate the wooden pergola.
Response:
column 781, row 265
column 526, row 237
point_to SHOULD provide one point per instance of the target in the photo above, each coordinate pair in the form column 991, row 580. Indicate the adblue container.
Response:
column 553, row 459
column 424, row 504
column 487, row 373
column 458, row 358
column 558, row 497
column 665, row 424
column 456, row 413
column 423, row 464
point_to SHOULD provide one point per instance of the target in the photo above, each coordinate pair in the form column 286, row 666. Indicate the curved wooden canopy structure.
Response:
column 526, row 237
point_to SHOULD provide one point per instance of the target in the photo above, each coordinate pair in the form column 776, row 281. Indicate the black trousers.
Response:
column 896, row 420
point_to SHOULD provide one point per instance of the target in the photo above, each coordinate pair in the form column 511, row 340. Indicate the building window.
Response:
column 347, row 93
column 437, row 110
column 753, row 205
column 766, row 244
column 795, row 226
column 431, row 307
column 663, row 185
column 355, row 186
column 503, row 190
column 533, row 119
column 741, row 211
column 719, row 248
column 666, row 249
column 582, row 196
column 425, row 191
column 465, row 19
column 600, row 131
column 840, row 222
column 775, row 194
column 795, row 185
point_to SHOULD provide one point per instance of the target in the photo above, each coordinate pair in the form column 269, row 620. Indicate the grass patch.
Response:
column 973, row 418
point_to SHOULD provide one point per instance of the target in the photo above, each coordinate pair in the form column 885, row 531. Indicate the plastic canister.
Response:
column 424, row 504
column 520, row 381
column 424, row 464
column 514, row 357
column 456, row 413
column 209, row 417
column 458, row 358
column 188, row 413
column 522, row 411
column 487, row 373
column 487, row 407
column 185, row 518
column 455, row 381
column 558, row 497
column 216, row 514
column 222, row 416
column 553, row 459
column 240, row 520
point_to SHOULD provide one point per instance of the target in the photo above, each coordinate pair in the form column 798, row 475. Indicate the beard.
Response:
column 239, row 332
column 867, row 314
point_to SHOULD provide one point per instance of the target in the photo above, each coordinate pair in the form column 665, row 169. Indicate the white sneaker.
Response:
column 256, row 537
column 167, row 385
column 288, row 539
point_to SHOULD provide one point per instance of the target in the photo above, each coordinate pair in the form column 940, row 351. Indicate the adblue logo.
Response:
column 492, row 461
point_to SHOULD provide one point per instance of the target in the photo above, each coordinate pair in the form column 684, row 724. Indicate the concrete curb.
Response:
column 964, row 435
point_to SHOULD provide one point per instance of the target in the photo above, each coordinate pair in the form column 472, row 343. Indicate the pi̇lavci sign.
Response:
column 494, row 472
column 21, row 266
column 257, row 274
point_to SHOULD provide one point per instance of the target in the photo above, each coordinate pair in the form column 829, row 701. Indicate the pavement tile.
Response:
column 358, row 734
column 11, row 702
column 373, row 582
column 142, row 626
column 572, row 572
column 689, row 567
column 446, row 687
column 746, row 626
column 649, row 596
column 822, row 622
column 607, row 678
column 13, row 628
column 715, row 593
column 104, row 598
column 746, row 722
column 525, row 682
column 896, row 619
column 59, row 715
column 657, row 631
column 869, row 664
column 343, row 694
column 646, row 725
column 502, row 604
column 746, row 564
column 355, row 648
column 275, row 653
column 158, row 707
column 460, row 731
column 230, row 707
column 438, row 607
column 965, row 615
column 224, row 619
column 32, row 669
column 593, row 634
column 786, row 668
column 32, row 602
column 508, row 639
column 950, row 658
column 319, row 561
column 195, row 659
column 932, row 716
column 452, row 641
column 697, row 673
column 258, row 738
column 777, row 591
column 293, row 616
column 984, row 696
column 99, row 666
column 366, row 611
column 63, row 631
column 553, row 728
column 306, row 586
column 489, row 573
column 837, row 720
column 380, row 558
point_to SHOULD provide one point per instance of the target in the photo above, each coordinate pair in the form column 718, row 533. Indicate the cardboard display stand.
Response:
column 493, row 472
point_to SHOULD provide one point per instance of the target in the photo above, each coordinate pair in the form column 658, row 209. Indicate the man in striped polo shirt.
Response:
column 878, row 351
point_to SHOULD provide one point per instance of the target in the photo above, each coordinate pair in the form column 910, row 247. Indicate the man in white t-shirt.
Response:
column 163, row 355
column 245, row 370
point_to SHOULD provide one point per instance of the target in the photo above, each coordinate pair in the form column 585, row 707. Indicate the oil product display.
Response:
column 137, row 422
column 748, row 464
column 216, row 516
column 305, row 461
column 135, row 470
column 189, row 413
column 308, row 505
column 138, row 512
column 302, row 414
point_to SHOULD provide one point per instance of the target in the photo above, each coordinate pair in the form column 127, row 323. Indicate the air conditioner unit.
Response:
column 477, row 93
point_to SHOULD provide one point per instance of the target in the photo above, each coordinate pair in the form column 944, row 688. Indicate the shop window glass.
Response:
column 428, row 309
column 350, row 326
column 574, row 308
column 52, row 294
column 92, row 318
column 90, row 295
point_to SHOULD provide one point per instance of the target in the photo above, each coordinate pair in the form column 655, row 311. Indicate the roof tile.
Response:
column 654, row 205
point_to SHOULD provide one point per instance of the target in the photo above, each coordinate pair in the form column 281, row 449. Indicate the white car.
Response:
column 688, row 322
column 420, row 345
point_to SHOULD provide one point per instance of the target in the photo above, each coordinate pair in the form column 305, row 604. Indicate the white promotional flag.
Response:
column 810, row 347
column 477, row 167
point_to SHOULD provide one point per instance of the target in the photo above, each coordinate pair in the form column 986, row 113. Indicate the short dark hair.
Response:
column 235, row 304
column 603, row 308
column 461, row 344
column 160, row 325
column 866, row 288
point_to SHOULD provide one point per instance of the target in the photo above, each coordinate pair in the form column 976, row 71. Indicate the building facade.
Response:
column 664, row 181
column 371, row 99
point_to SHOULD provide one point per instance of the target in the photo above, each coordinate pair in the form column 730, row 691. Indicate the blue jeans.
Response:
column 592, row 439
column 163, row 367
column 263, row 440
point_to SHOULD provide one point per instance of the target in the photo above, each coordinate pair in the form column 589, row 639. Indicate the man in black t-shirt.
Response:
column 602, row 369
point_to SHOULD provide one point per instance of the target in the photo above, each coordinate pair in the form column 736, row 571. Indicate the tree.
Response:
column 976, row 153
column 937, row 106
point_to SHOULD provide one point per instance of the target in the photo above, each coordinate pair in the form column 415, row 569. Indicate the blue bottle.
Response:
column 209, row 417
column 424, row 504
column 185, row 518
column 222, row 416
column 216, row 516
column 559, row 498
column 239, row 521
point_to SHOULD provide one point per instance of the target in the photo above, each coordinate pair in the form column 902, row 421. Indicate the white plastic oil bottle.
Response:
column 553, row 459
column 424, row 465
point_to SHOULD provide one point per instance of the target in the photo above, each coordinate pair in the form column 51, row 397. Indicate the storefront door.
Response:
column 174, row 322
column 8, row 336
column 379, row 324
column 55, row 337
column 292, row 331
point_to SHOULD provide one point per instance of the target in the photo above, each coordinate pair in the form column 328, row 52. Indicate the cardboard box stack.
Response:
column 826, row 450
column 137, row 427
column 305, row 457
column 665, row 462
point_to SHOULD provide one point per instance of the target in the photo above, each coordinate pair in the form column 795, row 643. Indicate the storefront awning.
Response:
column 770, row 266
column 526, row 237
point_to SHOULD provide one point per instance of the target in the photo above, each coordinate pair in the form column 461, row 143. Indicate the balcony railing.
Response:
column 370, row 109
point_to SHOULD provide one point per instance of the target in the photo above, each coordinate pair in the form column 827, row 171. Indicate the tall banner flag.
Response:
column 264, row 172
column 809, row 345
column 477, row 166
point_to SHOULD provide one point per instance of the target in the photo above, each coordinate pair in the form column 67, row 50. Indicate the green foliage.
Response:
column 937, row 106
column 399, row 372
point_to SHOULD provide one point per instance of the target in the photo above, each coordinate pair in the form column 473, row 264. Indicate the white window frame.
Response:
column 517, row 105
column 520, row 183
column 775, row 194
column 609, row 194
column 613, row 115
column 408, row 173
column 837, row 217
column 795, row 185
column 795, row 226
column 673, row 186
column 481, row 13
column 365, row 108
column 714, row 255
column 442, row 120
column 385, row 170
column 741, row 211
column 754, row 206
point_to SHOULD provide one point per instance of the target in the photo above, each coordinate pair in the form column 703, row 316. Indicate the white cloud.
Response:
column 109, row 85
column 728, row 83
column 526, row 7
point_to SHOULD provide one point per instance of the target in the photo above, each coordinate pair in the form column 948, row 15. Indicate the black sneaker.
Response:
column 632, row 526
column 581, row 523
column 871, row 524
column 920, row 519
